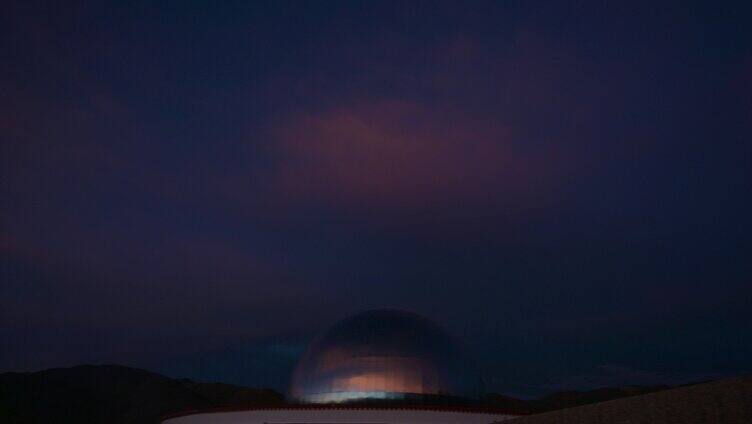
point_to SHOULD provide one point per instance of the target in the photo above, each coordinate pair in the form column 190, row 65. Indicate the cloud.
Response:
column 399, row 154
column 477, row 128
column 519, row 128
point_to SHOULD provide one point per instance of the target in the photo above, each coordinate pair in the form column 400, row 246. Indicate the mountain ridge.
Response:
column 118, row 394
column 113, row 394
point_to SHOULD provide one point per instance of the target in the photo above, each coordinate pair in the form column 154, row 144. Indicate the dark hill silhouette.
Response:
column 726, row 401
column 122, row 395
column 569, row 399
column 112, row 394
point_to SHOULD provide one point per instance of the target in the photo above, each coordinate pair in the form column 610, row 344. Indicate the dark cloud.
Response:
column 396, row 155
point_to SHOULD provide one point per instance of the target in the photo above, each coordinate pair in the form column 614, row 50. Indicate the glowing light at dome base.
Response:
column 384, row 355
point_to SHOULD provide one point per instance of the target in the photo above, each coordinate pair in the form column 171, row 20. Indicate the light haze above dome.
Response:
column 384, row 355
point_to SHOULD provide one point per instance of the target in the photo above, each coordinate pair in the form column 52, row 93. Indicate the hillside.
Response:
column 112, row 394
column 569, row 399
column 725, row 401
column 122, row 395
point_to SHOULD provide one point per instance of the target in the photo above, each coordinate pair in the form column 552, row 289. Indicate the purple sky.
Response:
column 199, row 188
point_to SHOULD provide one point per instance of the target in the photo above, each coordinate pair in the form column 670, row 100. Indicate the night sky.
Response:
column 198, row 188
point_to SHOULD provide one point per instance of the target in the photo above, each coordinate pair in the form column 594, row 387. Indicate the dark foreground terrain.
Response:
column 568, row 399
column 119, row 395
column 112, row 394
column 719, row 402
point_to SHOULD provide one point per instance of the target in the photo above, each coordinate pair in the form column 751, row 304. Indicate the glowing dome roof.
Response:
column 383, row 354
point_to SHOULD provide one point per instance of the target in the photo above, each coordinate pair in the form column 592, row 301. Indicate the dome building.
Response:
column 385, row 355
column 384, row 366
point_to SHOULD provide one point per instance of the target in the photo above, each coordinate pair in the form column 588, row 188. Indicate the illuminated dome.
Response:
column 384, row 355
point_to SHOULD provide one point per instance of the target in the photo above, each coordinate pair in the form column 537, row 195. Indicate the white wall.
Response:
column 342, row 416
